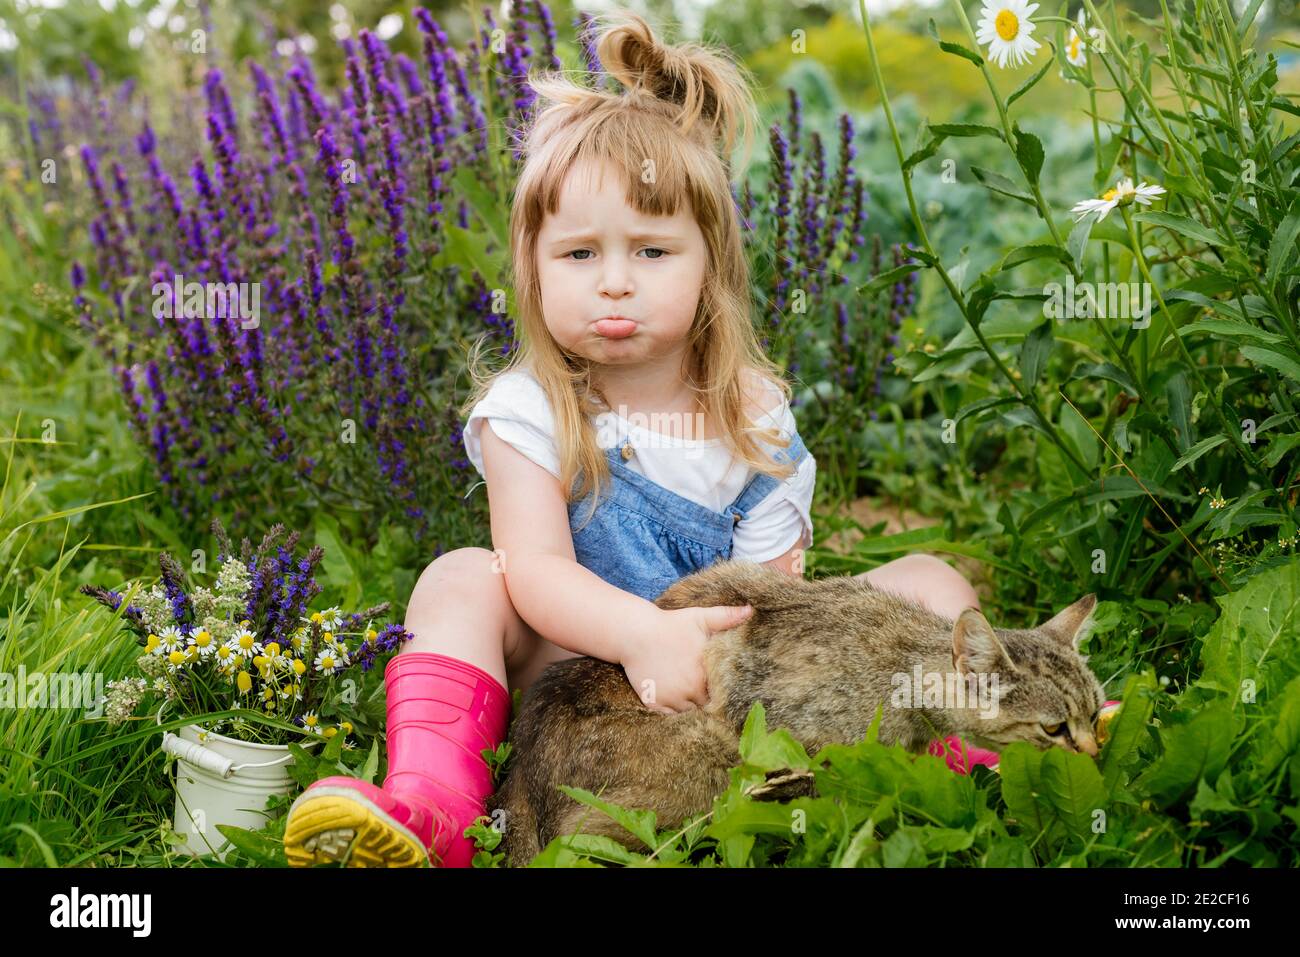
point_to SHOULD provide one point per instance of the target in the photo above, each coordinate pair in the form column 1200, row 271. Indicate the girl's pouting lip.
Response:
column 615, row 328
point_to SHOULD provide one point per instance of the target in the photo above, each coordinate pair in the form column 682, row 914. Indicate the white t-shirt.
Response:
column 701, row 470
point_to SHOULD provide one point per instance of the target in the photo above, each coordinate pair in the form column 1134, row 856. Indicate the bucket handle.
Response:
column 197, row 754
column 206, row 758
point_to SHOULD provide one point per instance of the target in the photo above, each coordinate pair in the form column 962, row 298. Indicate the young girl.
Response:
column 639, row 386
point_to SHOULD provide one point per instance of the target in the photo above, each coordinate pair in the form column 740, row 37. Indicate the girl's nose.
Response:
column 615, row 279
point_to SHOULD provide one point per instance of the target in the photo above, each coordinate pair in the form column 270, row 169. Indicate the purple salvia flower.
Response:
column 548, row 36
column 586, row 25
column 780, row 215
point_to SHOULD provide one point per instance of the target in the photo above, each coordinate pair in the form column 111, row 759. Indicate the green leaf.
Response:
column 640, row 823
column 1283, row 360
column 1197, row 450
column 1279, row 446
column 465, row 246
column 1230, row 330
column 1105, row 370
column 1020, row 766
column 1282, row 251
column 956, row 49
column 1256, row 636
column 601, row 848
column 979, row 405
column 967, row 129
column 371, row 767
column 1073, row 787
column 888, row 278
column 1183, row 226
column 257, row 847
column 1023, row 254
column 1023, row 415
column 1077, row 243
column 1034, row 353
column 1028, row 85
column 903, row 849
column 1128, row 728
column 1247, row 17
column 997, row 183
column 923, row 154
column 1029, row 151
column 769, row 751
column 336, row 562
column 1194, row 750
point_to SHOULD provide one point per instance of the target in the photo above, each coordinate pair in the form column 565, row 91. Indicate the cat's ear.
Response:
column 1068, row 624
column 975, row 646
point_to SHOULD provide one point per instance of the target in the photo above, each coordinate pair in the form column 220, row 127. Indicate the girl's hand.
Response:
column 666, row 669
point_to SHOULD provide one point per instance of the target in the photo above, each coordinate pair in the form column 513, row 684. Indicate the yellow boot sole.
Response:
column 338, row 825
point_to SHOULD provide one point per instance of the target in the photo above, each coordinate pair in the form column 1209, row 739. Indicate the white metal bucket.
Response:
column 220, row 780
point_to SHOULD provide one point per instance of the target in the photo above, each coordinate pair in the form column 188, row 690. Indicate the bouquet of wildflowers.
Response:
column 248, row 642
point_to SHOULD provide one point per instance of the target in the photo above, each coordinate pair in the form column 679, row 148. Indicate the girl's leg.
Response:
column 447, row 701
column 927, row 580
column 460, row 608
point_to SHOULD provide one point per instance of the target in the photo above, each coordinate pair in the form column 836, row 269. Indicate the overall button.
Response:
column 626, row 451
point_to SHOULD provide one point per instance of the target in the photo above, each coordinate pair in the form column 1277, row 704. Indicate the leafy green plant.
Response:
column 1217, row 364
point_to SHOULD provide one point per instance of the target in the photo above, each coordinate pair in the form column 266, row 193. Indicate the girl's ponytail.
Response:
column 705, row 85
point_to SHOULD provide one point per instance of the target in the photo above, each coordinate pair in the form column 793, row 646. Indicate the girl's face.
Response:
column 597, row 257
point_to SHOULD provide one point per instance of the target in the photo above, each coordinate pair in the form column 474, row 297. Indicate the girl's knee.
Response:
column 951, row 592
column 926, row 579
column 470, row 573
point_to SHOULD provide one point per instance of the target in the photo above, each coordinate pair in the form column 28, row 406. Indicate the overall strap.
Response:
column 762, row 484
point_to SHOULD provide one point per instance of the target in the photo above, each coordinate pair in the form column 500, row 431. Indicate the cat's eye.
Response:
column 1052, row 730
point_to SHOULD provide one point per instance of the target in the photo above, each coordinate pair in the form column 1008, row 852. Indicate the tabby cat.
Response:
column 821, row 655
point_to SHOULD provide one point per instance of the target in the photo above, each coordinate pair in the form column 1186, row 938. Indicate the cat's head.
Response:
column 1038, row 687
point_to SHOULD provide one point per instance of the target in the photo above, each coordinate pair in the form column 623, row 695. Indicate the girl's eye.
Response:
column 649, row 249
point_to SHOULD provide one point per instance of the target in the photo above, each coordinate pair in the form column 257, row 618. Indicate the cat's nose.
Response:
column 1087, row 744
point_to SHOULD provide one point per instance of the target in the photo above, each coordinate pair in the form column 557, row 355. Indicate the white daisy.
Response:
column 1074, row 46
column 276, row 659
column 171, row 639
column 1005, row 26
column 329, row 661
column 176, row 661
column 1123, row 194
column 204, row 642
column 329, row 619
column 245, row 643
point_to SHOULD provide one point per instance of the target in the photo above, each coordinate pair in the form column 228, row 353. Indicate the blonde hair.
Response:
column 680, row 109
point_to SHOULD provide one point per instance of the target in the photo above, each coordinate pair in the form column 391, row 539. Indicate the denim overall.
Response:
column 643, row 537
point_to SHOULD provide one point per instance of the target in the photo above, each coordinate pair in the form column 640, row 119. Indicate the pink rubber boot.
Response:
column 442, row 712
column 961, row 757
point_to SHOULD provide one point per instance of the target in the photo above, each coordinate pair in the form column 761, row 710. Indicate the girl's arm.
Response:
column 791, row 562
column 562, row 601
